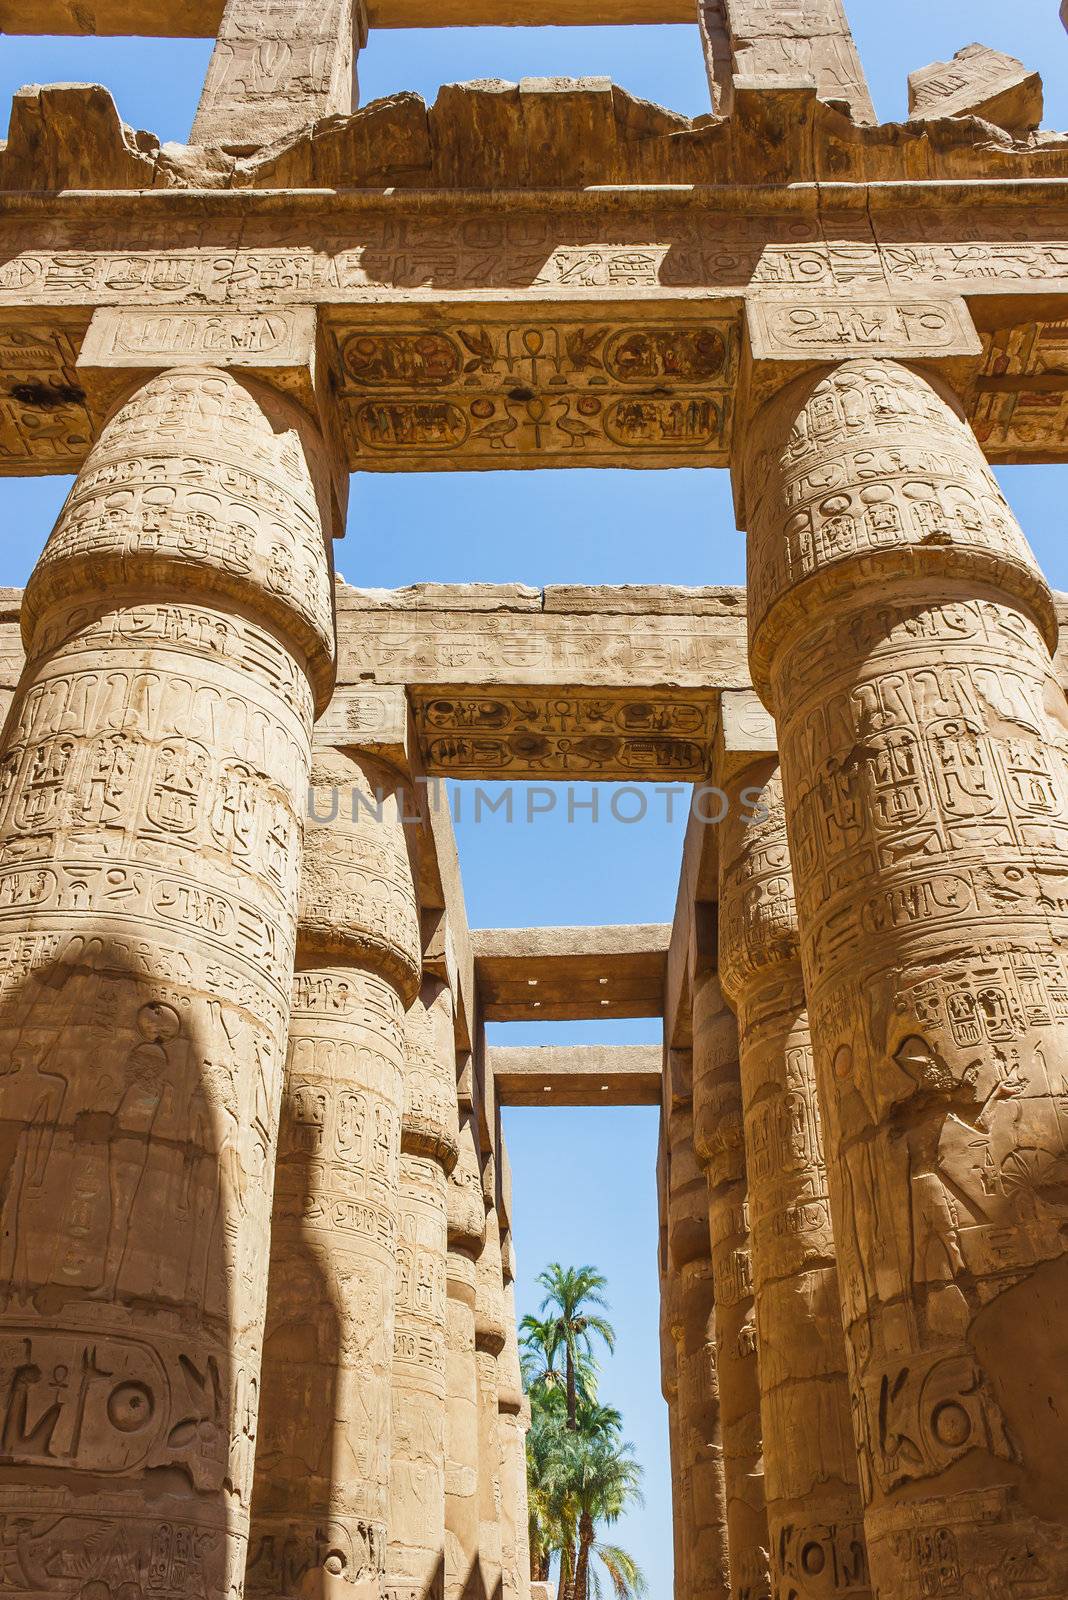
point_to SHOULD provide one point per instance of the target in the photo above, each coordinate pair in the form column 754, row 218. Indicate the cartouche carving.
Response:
column 901, row 632
column 325, row 1422
column 810, row 1470
column 153, row 778
column 720, row 1149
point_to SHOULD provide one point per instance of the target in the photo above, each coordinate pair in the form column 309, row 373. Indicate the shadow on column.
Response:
column 134, row 1149
column 304, row 1455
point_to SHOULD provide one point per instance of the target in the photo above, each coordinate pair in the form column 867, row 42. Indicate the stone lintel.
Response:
column 570, row 974
column 978, row 82
column 201, row 19
column 282, row 347
column 746, row 731
column 577, row 1075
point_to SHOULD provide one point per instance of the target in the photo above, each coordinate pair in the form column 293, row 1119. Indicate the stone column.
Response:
column 901, row 632
column 669, row 1387
column 467, row 1233
column 771, row 42
column 415, row 1565
column 490, row 1336
column 514, row 1420
column 322, row 1466
column 810, row 1470
column 699, row 1483
column 277, row 67
column 719, row 1147
column 178, row 634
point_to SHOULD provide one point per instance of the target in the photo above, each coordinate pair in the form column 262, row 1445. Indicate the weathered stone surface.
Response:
column 491, row 1333
column 200, row 19
column 577, row 1075
column 719, row 1145
column 978, row 82
column 155, row 765
column 277, row 66
column 545, row 974
column 810, row 1471
column 923, row 746
column 323, row 1456
column 700, row 1484
column 466, row 1237
column 808, row 40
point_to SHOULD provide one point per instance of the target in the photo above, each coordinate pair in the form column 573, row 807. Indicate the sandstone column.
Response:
column 669, row 1388
column 178, row 633
column 813, row 1498
column 699, row 1483
column 415, row 1565
column 277, row 67
column 490, row 1334
column 514, row 1420
column 901, row 632
column 322, row 1467
column 467, row 1232
column 719, row 1147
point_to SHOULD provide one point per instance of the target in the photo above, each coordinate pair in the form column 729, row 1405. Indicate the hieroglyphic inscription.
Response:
column 925, row 761
column 151, row 785
column 328, row 1352
column 810, row 1469
column 475, row 732
column 720, row 1147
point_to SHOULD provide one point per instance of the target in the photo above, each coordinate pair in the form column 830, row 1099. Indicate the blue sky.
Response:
column 584, row 1180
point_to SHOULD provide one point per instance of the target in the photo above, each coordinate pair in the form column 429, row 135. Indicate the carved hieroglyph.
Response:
column 490, row 1336
column 467, row 1232
column 700, row 1481
column 415, row 1567
column 768, row 39
column 720, row 1149
column 178, row 629
column 323, row 1460
column 901, row 631
column 277, row 66
column 810, row 1470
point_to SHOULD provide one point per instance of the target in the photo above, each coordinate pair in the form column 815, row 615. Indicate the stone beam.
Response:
column 577, row 1075
column 766, row 41
column 201, row 18
column 570, row 974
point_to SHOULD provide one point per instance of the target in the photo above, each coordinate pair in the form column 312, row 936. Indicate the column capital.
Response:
column 284, row 347
column 788, row 333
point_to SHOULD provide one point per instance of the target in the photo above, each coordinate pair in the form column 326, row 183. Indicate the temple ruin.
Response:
column 258, row 1328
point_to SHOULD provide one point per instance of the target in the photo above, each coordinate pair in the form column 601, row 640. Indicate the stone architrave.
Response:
column 323, row 1459
column 514, row 1419
column 415, row 1563
column 179, row 636
column 277, row 66
column 901, row 632
column 767, row 40
column 700, row 1481
column 720, row 1149
column 978, row 82
column 490, row 1339
column 810, row 1470
column 467, row 1233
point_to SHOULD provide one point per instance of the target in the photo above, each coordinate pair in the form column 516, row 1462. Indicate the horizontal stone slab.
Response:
column 200, row 19
column 577, row 1075
column 570, row 974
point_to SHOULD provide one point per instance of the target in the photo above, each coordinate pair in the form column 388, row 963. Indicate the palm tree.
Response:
column 569, row 1293
column 605, row 1479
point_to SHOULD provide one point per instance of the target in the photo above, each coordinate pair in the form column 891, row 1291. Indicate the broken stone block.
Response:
column 978, row 82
